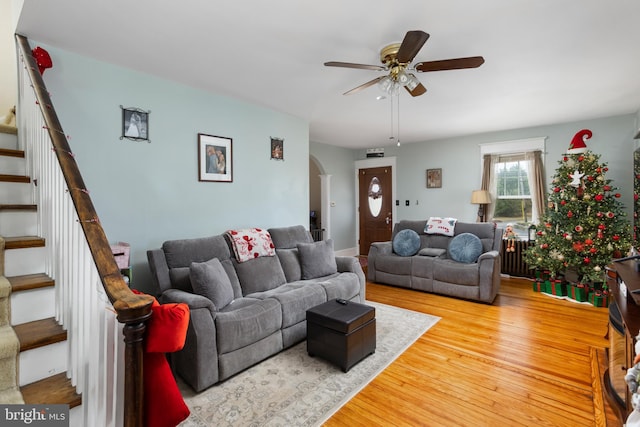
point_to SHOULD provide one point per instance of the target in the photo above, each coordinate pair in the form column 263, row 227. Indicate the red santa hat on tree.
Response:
column 577, row 143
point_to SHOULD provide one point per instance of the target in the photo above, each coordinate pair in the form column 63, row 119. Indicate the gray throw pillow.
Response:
column 436, row 252
column 209, row 279
column 317, row 259
column 406, row 242
column 465, row 247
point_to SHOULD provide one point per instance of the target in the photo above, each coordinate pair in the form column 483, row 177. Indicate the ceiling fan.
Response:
column 396, row 59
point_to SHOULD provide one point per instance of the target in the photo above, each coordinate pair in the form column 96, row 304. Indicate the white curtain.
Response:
column 536, row 183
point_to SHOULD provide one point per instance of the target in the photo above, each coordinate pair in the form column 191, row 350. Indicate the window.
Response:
column 513, row 195
column 513, row 174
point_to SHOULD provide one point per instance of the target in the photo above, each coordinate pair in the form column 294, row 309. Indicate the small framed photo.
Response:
column 434, row 178
column 277, row 149
column 215, row 158
column 135, row 124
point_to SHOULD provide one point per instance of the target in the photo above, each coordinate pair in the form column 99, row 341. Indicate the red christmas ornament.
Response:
column 593, row 250
column 588, row 242
column 586, row 260
column 563, row 202
column 42, row 59
column 616, row 237
column 599, row 197
column 618, row 195
column 556, row 190
column 565, row 158
column 569, row 214
column 599, row 170
column 590, row 178
column 581, row 158
column 578, row 247
column 601, row 227
column 606, row 188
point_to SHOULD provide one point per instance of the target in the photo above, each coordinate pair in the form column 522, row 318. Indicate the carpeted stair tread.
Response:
column 53, row 390
column 23, row 242
column 11, row 130
column 30, row 281
column 39, row 333
column 15, row 178
column 28, row 208
column 8, row 342
column 11, row 396
column 11, row 153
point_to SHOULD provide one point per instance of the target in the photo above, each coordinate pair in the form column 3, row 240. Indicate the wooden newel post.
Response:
column 133, row 373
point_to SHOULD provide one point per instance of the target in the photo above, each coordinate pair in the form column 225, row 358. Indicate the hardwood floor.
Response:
column 526, row 360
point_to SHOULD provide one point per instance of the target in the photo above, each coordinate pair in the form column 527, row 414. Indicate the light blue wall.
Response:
column 459, row 159
column 146, row 193
column 339, row 163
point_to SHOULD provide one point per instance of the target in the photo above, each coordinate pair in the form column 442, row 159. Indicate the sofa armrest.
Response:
column 192, row 300
column 489, row 275
column 377, row 249
column 381, row 248
column 351, row 264
column 489, row 255
column 197, row 362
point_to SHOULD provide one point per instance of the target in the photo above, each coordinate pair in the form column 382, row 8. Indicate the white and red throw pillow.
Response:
column 250, row 243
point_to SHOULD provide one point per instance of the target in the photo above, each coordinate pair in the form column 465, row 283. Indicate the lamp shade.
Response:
column 480, row 197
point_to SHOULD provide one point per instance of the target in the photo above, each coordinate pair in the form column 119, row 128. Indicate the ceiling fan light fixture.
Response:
column 402, row 78
column 412, row 83
column 385, row 84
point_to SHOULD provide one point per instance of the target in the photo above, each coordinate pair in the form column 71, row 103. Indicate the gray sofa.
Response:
column 432, row 269
column 244, row 312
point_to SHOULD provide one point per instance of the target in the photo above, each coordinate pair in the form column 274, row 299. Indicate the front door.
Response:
column 375, row 206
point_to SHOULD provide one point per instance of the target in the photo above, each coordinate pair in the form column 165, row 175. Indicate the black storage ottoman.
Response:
column 343, row 334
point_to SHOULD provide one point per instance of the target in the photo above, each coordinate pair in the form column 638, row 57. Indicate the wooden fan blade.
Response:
column 411, row 45
column 352, row 65
column 364, row 85
column 418, row 90
column 450, row 64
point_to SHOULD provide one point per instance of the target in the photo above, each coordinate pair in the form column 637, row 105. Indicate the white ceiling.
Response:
column 546, row 61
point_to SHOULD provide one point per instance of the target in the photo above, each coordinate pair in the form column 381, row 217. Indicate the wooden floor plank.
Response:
column 526, row 360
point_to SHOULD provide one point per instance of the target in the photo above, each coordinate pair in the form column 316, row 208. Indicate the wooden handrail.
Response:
column 133, row 310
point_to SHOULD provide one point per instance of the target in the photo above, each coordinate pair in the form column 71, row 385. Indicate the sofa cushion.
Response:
column 465, row 247
column 406, row 243
column 259, row 274
column 209, row 279
column 317, row 259
column 247, row 322
column 181, row 253
column 289, row 237
column 295, row 299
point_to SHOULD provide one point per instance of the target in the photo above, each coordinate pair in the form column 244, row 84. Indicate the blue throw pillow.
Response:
column 406, row 243
column 465, row 247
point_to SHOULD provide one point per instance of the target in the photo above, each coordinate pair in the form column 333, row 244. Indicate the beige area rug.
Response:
column 294, row 389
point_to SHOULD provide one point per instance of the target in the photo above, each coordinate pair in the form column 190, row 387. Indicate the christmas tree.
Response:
column 584, row 226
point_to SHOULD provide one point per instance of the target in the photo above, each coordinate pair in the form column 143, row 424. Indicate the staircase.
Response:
column 28, row 296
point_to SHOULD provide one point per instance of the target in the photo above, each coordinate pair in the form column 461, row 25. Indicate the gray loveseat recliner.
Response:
column 434, row 271
column 264, row 309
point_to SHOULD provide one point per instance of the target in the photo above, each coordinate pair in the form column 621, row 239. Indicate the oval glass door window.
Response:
column 375, row 197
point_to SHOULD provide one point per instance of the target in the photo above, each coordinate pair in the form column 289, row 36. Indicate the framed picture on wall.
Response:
column 215, row 158
column 434, row 178
column 135, row 124
column 277, row 149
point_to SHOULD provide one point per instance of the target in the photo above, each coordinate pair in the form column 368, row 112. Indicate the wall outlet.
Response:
column 406, row 203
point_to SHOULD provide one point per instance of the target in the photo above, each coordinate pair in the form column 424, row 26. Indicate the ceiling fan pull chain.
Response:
column 398, row 120
column 391, row 119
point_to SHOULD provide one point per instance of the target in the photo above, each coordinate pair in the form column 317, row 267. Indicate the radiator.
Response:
column 513, row 262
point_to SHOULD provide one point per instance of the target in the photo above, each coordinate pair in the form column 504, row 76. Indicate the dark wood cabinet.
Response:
column 624, row 326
